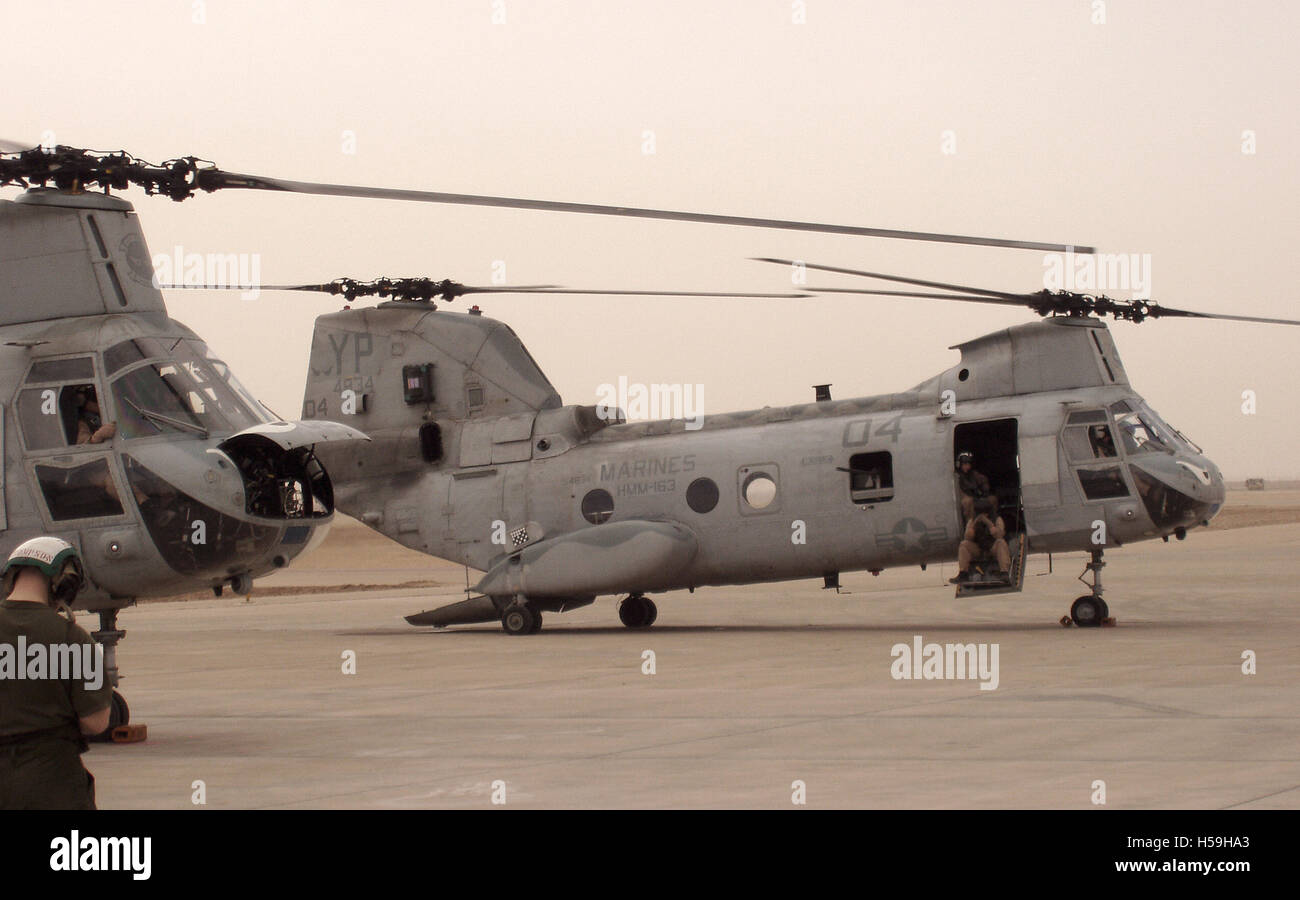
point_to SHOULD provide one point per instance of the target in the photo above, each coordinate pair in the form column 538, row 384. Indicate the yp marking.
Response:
column 355, row 345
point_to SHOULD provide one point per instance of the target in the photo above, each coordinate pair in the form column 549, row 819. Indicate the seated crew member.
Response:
column 985, row 536
column 972, row 484
column 91, row 429
column 1103, row 446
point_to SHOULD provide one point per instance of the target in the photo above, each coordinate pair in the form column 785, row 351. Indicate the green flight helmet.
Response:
column 55, row 558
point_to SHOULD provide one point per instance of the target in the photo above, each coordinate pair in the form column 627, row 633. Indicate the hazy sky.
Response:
column 1127, row 135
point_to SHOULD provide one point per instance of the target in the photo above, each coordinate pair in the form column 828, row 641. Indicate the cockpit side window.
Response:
column 54, row 413
column 84, row 491
column 1088, row 437
column 38, row 415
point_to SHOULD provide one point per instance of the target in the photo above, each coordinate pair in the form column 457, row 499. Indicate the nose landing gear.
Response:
column 1090, row 610
column 120, row 729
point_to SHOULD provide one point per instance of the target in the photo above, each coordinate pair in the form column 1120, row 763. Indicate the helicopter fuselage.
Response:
column 558, row 505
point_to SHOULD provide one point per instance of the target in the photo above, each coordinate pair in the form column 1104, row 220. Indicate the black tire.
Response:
column 632, row 612
column 1087, row 612
column 518, row 619
column 652, row 612
column 537, row 622
column 1105, row 610
column 118, row 714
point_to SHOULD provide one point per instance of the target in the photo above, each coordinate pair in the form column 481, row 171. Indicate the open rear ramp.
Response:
column 980, row 583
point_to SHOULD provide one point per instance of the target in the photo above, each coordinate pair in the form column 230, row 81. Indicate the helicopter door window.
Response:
column 871, row 478
column 79, row 492
column 758, row 488
column 1103, row 484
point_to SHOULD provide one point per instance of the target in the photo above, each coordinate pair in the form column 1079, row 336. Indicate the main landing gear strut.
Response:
column 1090, row 610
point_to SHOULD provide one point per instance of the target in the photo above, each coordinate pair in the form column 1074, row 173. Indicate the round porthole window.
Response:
column 702, row 495
column 759, row 490
column 597, row 506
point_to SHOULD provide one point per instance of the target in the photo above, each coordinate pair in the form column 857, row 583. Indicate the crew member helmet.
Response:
column 55, row 558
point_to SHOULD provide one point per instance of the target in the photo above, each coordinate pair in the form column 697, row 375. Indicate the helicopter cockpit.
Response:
column 1178, row 486
column 162, row 426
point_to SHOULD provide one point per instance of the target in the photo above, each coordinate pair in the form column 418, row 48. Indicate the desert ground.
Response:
column 759, row 696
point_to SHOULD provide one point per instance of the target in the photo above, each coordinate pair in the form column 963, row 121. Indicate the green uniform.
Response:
column 40, row 738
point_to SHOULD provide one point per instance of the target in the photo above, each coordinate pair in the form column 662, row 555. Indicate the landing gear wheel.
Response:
column 1088, row 611
column 118, row 714
column 537, row 623
column 519, row 619
column 637, row 612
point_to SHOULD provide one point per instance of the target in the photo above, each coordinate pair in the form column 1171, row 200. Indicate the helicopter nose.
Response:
column 1179, row 492
column 1205, row 486
column 1217, row 489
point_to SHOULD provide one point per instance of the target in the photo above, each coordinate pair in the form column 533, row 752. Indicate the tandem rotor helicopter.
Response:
column 125, row 435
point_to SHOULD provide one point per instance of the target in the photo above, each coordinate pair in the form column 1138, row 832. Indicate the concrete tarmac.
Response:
column 754, row 689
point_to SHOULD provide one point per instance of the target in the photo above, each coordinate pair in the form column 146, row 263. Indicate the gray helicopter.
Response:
column 476, row 459
column 124, row 434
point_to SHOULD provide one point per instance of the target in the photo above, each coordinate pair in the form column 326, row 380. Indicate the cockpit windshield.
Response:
column 1176, row 436
column 1139, row 431
column 189, row 392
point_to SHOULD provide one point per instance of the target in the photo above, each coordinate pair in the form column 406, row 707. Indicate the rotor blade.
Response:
column 332, row 288
column 898, row 278
column 255, row 182
column 15, row 146
column 643, row 293
column 329, row 288
column 1156, row 312
column 323, row 288
column 970, row 298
